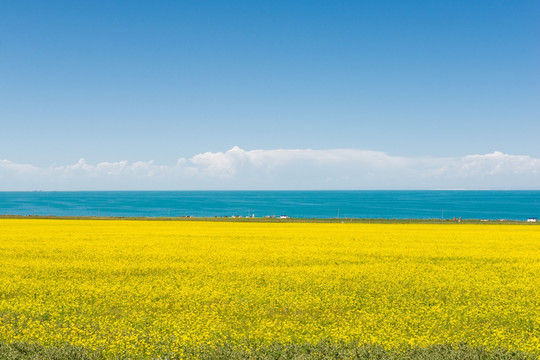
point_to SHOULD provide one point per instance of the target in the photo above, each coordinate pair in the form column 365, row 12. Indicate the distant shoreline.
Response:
column 274, row 219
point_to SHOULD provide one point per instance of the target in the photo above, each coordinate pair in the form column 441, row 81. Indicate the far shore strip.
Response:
column 277, row 219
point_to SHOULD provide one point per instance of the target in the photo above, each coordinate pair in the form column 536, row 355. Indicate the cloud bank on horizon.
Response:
column 282, row 169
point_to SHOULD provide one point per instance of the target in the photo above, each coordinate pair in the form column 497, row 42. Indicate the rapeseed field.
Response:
column 151, row 288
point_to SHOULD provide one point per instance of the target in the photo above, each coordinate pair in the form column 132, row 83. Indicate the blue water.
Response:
column 510, row 205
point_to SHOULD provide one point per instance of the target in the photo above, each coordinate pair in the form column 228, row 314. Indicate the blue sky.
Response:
column 166, row 82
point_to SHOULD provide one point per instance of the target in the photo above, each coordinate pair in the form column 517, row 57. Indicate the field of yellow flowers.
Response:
column 148, row 288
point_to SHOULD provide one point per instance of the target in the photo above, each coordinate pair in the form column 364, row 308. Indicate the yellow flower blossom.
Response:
column 145, row 288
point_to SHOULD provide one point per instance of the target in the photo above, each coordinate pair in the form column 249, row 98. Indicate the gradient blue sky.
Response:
column 135, row 81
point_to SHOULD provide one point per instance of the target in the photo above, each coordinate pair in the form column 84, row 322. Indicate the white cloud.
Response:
column 499, row 163
column 8, row 166
column 283, row 169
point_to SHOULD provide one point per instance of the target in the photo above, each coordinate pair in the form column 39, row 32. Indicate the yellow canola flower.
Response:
column 145, row 288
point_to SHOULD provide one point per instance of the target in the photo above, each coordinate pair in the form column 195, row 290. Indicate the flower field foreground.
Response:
column 151, row 288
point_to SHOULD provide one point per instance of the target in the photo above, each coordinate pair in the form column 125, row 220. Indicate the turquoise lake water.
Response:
column 493, row 205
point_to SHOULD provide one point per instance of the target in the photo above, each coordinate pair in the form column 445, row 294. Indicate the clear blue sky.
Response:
column 162, row 80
